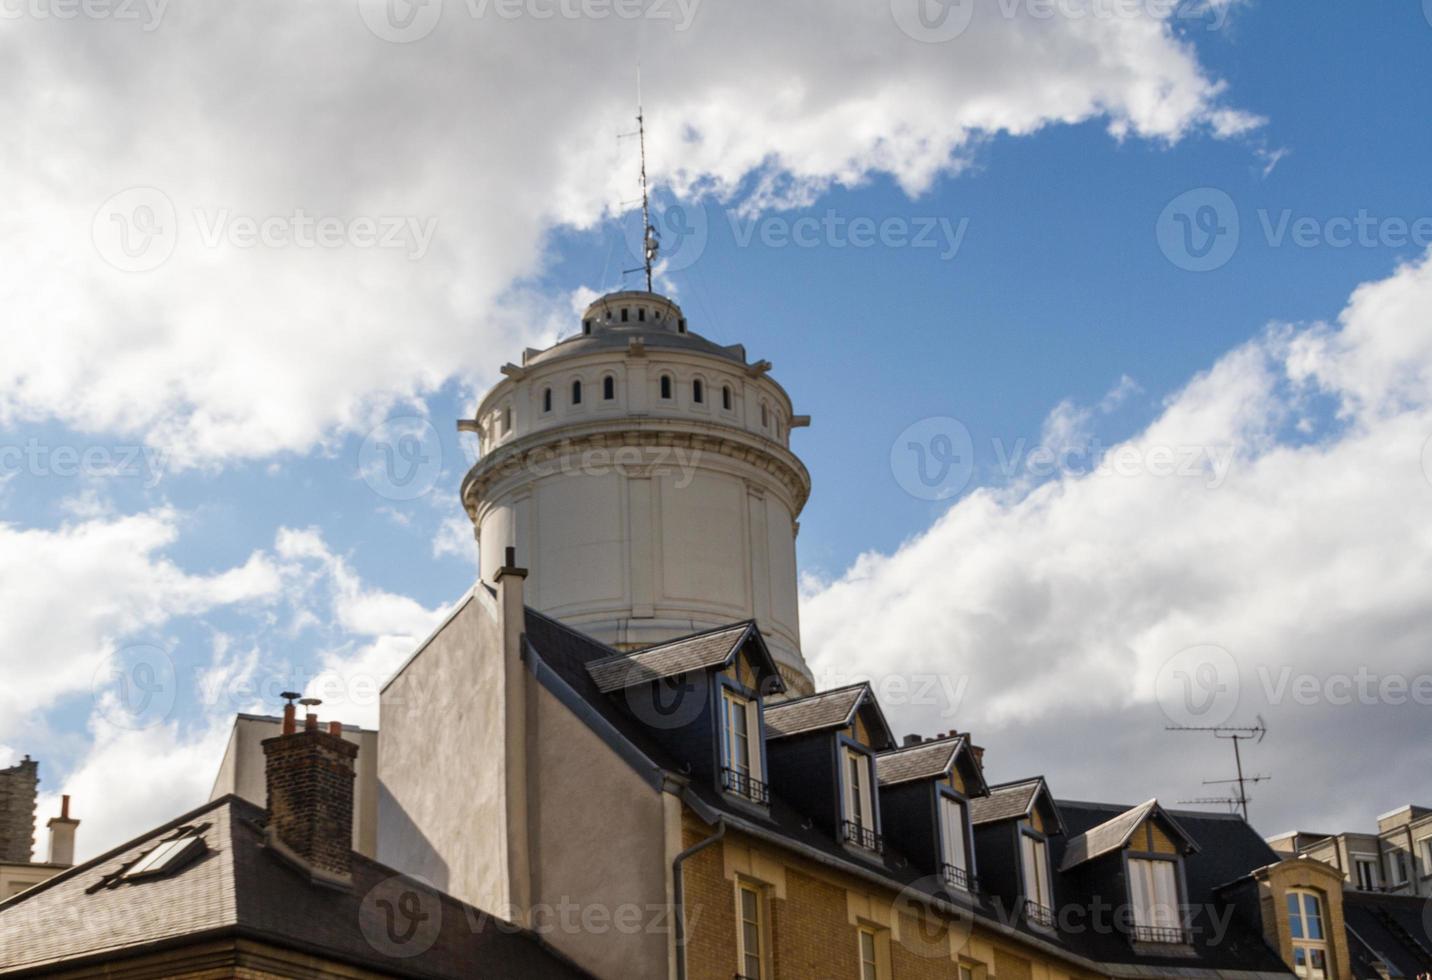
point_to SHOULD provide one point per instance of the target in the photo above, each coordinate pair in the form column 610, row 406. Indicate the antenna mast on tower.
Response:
column 650, row 243
column 1236, row 734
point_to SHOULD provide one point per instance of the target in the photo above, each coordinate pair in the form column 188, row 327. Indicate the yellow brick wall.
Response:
column 811, row 912
column 1007, row 966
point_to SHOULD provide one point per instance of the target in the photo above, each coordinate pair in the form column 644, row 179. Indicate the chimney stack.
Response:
column 62, row 835
column 310, row 795
column 18, row 788
column 913, row 739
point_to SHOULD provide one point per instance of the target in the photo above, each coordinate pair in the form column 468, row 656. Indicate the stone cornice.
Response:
column 539, row 449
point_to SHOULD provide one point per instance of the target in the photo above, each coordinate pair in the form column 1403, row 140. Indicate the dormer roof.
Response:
column 827, row 710
column 1017, row 800
column 932, row 759
column 699, row 651
column 1115, row 834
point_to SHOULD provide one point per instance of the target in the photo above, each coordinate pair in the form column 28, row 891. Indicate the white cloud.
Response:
column 1058, row 604
column 497, row 130
column 75, row 593
column 145, row 760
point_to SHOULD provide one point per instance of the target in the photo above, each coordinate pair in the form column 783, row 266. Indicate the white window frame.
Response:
column 1425, row 845
column 1312, row 948
column 735, row 706
column 871, row 967
column 954, row 840
column 1154, row 893
column 1034, row 861
column 744, row 956
column 1368, row 882
column 1396, row 869
column 859, row 799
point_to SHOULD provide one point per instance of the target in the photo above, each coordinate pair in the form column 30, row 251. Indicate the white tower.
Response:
column 644, row 475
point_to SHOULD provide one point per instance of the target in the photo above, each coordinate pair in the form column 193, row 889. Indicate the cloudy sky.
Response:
column 1114, row 319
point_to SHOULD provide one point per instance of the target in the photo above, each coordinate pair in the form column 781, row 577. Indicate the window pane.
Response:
column 1313, row 915
column 1166, row 893
column 954, row 831
column 1295, row 916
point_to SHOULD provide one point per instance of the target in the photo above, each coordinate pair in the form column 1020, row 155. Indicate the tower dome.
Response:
column 644, row 474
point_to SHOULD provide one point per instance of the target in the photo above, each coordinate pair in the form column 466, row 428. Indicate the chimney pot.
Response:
column 509, row 557
column 62, row 835
column 335, row 728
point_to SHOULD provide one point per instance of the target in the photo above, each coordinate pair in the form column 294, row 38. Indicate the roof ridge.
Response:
column 919, row 745
column 619, row 654
column 817, row 694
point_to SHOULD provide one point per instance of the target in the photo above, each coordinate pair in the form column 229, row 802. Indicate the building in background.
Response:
column 1396, row 860
column 19, row 788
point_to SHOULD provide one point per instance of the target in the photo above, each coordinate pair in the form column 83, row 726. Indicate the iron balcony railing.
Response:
column 742, row 784
column 1039, row 915
column 960, row 878
column 860, row 836
column 1172, row 935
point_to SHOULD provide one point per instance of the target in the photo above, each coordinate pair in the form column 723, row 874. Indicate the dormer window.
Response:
column 954, row 843
column 859, row 824
column 1154, row 898
column 740, row 747
column 1305, row 926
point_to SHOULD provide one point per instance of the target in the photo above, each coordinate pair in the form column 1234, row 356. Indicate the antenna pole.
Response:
column 1242, row 793
column 1234, row 734
column 647, row 231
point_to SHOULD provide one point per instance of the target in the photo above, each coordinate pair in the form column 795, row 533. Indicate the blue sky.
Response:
column 1058, row 294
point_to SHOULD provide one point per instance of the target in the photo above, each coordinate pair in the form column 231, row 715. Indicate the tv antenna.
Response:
column 1235, row 734
column 650, row 241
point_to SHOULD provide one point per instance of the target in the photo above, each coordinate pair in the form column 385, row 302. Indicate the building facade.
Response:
column 1396, row 860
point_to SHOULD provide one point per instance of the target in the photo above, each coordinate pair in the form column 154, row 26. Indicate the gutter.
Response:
column 679, row 912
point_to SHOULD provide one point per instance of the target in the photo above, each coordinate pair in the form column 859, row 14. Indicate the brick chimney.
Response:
column 62, row 835
column 310, row 794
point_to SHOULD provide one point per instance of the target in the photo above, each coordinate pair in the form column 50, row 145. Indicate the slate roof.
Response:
column 1395, row 930
column 828, row 709
column 712, row 648
column 1113, row 834
column 561, row 656
column 1229, row 850
column 241, row 888
column 1004, row 802
column 928, row 760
